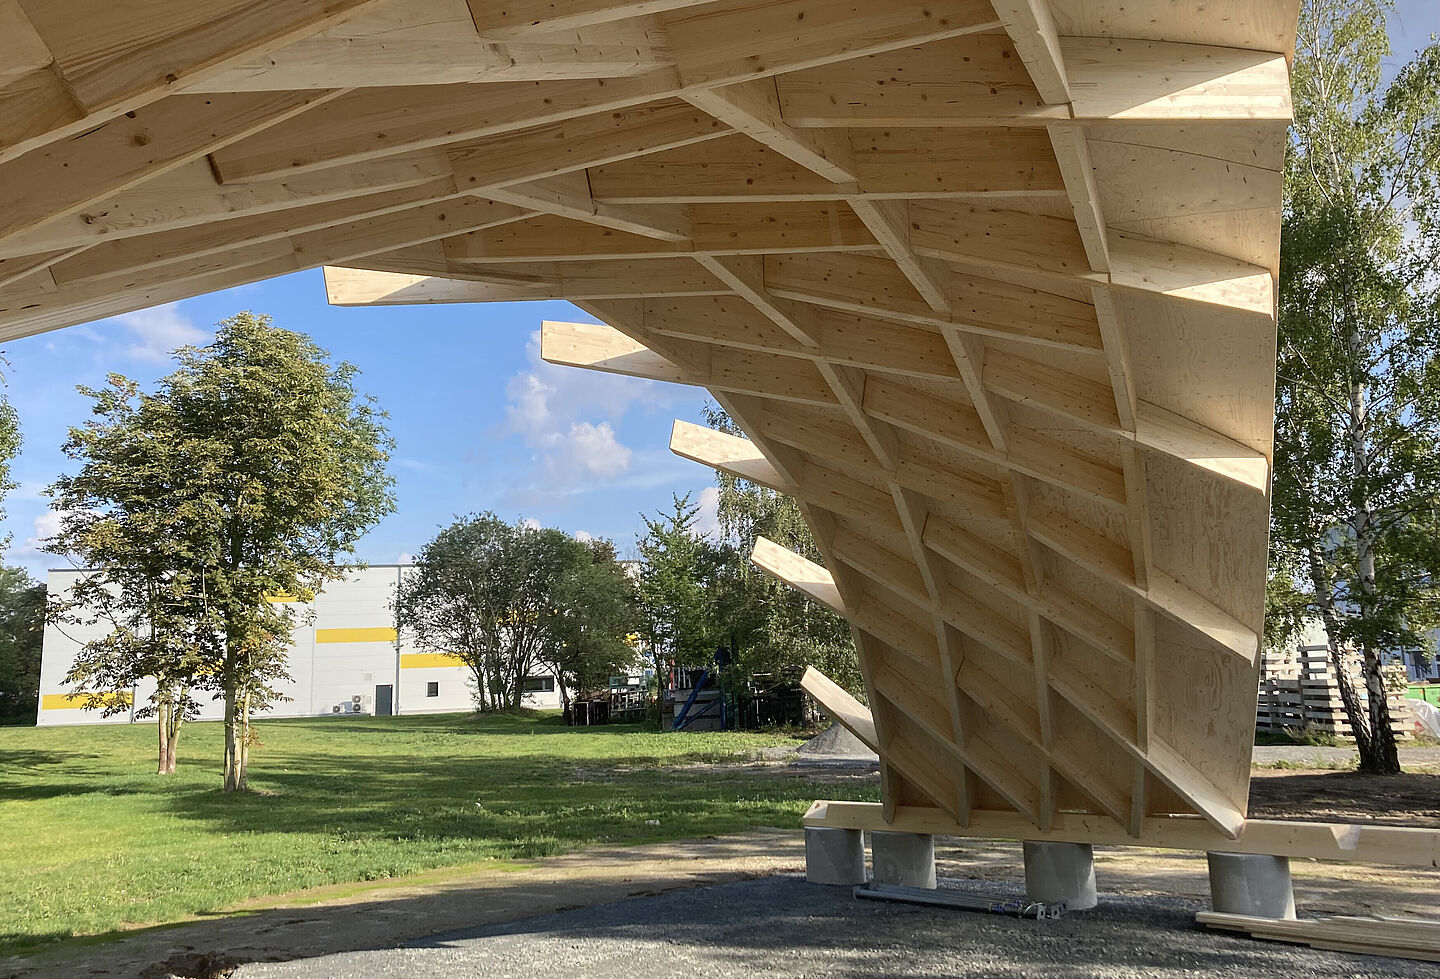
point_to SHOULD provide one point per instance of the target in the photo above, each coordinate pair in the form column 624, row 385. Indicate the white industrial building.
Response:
column 346, row 657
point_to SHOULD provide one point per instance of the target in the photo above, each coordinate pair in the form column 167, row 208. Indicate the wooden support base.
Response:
column 1400, row 846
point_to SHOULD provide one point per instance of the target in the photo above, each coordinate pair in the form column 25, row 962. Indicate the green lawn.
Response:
column 91, row 840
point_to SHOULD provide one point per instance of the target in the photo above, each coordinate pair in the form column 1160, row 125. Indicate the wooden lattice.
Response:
column 990, row 286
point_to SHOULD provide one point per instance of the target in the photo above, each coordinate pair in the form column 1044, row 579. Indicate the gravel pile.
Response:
column 835, row 741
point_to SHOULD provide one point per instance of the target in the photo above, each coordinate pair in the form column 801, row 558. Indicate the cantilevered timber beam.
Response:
column 734, row 455
column 846, row 710
column 808, row 481
column 386, row 282
column 604, row 348
column 805, row 576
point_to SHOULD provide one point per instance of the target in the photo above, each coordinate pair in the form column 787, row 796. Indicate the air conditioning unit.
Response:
column 336, row 709
column 356, row 699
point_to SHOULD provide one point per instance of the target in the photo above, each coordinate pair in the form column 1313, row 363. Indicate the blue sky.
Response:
column 479, row 421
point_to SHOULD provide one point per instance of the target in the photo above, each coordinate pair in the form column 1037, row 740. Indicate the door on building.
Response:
column 384, row 700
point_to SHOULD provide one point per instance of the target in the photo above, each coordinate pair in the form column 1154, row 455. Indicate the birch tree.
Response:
column 1357, row 454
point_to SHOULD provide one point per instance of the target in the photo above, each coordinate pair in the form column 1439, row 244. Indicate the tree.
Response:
column 1357, row 448
column 503, row 598
column 22, row 627
column 678, row 569
column 775, row 629
column 10, row 442
column 250, row 472
column 596, row 616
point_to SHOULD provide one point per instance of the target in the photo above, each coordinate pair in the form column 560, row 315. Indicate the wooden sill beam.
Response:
column 1400, row 846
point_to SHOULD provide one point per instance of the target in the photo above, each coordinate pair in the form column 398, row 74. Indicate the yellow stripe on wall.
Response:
column 424, row 661
column 380, row 634
column 281, row 598
column 74, row 701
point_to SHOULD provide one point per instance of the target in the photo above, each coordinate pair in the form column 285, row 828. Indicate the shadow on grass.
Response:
column 522, row 807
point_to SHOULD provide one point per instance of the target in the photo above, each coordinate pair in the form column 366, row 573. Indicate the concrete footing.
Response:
column 834, row 856
column 906, row 859
column 1251, row 883
column 1056, row 872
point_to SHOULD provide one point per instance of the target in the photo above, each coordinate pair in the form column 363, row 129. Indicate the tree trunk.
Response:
column 234, row 743
column 1334, row 641
column 171, row 743
column 177, row 718
column 564, row 694
column 244, row 736
column 1381, row 756
column 162, row 726
column 1378, row 753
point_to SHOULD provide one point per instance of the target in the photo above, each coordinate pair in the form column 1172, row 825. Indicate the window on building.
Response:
column 432, row 689
column 539, row 684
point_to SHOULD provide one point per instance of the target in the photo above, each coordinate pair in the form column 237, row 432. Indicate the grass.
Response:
column 92, row 841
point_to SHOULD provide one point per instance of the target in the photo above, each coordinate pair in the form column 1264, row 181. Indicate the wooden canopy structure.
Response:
column 990, row 285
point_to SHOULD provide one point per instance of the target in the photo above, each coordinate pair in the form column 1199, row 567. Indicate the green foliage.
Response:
column 91, row 842
column 9, row 443
column 773, row 628
column 1357, row 449
column 677, row 588
column 251, row 471
column 597, row 615
column 22, row 627
column 505, row 598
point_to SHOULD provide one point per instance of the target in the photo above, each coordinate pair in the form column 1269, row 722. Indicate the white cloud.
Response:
column 414, row 465
column 405, row 558
column 592, row 449
column 530, row 523
column 707, row 519
column 584, row 536
column 567, row 418
column 46, row 525
column 158, row 331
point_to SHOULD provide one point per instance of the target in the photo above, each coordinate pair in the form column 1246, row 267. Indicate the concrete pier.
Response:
column 834, row 856
column 907, row 859
column 1056, row 872
column 1251, row 883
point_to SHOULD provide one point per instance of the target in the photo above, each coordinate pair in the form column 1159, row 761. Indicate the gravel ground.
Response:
column 1269, row 754
column 784, row 927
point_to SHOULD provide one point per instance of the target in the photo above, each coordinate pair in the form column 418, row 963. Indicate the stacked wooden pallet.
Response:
column 1299, row 690
column 1399, row 937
